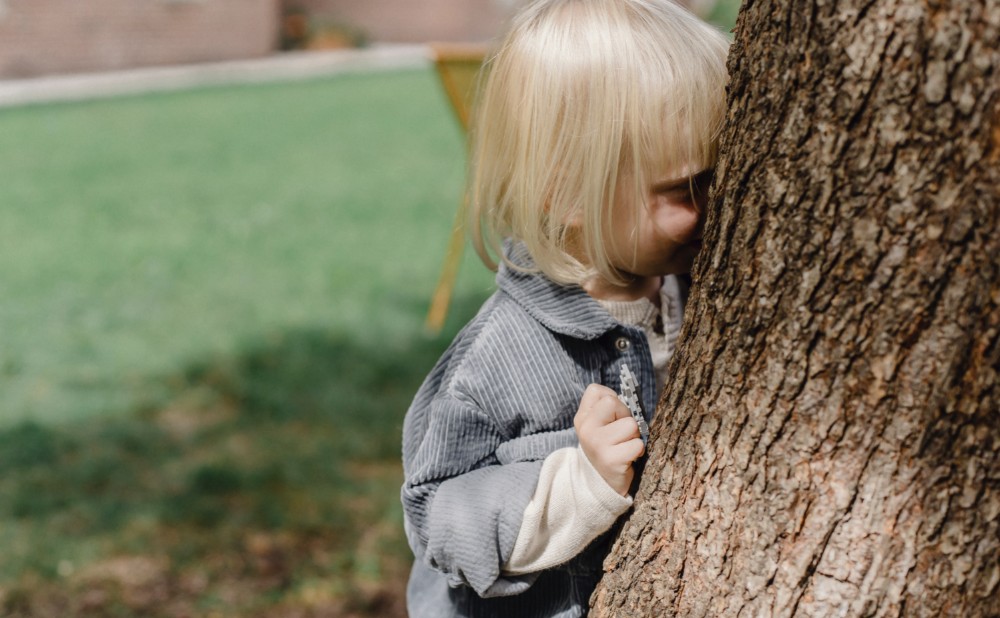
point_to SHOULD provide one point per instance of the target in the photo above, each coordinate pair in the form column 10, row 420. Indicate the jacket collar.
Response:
column 565, row 309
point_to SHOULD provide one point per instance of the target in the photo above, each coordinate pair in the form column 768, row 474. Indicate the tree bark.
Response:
column 828, row 443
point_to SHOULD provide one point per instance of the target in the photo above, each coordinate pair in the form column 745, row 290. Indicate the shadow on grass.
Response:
column 265, row 484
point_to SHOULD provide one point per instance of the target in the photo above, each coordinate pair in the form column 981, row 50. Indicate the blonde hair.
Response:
column 582, row 101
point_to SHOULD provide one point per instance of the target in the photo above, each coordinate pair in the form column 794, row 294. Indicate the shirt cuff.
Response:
column 572, row 505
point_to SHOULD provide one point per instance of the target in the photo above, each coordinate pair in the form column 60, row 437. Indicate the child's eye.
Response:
column 680, row 195
column 702, row 181
column 686, row 190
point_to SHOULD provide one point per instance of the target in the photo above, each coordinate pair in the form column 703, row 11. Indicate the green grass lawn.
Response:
column 211, row 305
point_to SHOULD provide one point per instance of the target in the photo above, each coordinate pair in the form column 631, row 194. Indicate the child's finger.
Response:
column 594, row 394
column 611, row 408
column 627, row 451
column 621, row 430
column 621, row 411
column 599, row 405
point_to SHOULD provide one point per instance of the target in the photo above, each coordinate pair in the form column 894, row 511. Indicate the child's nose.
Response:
column 699, row 203
column 699, row 230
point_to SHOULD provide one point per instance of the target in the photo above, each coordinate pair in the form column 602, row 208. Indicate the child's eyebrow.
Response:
column 698, row 179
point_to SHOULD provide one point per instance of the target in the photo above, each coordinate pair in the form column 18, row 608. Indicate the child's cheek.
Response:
column 677, row 221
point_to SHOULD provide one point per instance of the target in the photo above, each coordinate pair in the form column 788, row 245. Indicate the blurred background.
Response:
column 213, row 293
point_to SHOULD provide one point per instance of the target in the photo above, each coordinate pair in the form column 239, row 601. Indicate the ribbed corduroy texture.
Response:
column 499, row 401
column 643, row 314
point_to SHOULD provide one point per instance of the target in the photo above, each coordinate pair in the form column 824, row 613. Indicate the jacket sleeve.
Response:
column 572, row 505
column 463, row 507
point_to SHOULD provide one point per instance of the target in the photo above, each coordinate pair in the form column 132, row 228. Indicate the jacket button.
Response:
column 622, row 343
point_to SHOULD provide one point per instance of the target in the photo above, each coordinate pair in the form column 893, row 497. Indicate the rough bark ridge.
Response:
column 829, row 443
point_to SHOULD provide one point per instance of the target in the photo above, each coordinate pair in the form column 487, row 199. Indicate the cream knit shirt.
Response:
column 572, row 504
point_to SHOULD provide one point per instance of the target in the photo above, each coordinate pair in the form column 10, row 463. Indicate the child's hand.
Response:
column 609, row 436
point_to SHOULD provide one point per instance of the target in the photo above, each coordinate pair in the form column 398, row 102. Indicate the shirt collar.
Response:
column 565, row 309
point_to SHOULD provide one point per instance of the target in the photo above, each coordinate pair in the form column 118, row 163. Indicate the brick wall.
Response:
column 39, row 37
column 59, row 36
column 414, row 21
column 420, row 21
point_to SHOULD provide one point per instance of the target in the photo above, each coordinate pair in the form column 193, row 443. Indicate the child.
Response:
column 592, row 152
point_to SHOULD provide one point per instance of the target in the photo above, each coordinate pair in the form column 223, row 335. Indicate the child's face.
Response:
column 668, row 230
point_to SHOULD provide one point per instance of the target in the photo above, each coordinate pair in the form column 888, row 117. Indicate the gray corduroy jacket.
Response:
column 498, row 402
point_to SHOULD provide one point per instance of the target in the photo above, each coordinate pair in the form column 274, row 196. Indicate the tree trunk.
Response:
column 828, row 445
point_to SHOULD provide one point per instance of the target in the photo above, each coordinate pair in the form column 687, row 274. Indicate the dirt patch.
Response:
column 149, row 587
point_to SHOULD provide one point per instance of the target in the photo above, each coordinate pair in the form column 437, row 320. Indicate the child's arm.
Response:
column 574, row 502
column 463, row 506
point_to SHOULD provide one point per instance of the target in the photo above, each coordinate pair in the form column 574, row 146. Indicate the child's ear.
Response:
column 573, row 219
